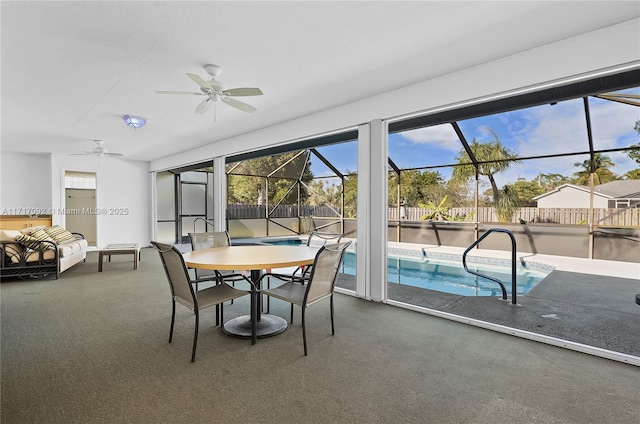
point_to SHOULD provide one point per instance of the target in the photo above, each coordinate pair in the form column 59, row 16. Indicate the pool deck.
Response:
column 588, row 303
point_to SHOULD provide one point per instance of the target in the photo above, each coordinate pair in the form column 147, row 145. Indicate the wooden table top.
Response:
column 250, row 257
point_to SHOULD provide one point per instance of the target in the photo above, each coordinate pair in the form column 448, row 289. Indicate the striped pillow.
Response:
column 59, row 234
column 30, row 241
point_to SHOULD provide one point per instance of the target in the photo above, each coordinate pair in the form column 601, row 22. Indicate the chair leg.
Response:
column 333, row 332
column 254, row 317
column 221, row 314
column 195, row 337
column 292, row 313
column 173, row 318
column 304, row 331
column 217, row 315
column 268, row 298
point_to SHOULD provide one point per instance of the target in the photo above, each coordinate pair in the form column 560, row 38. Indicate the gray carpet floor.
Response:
column 92, row 348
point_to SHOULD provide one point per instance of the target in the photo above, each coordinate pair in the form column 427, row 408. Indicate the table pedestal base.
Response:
column 269, row 325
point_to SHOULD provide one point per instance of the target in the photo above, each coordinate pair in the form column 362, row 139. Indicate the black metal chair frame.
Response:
column 296, row 289
column 220, row 293
column 302, row 274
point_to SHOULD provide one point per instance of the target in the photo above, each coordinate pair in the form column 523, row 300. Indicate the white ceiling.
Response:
column 71, row 70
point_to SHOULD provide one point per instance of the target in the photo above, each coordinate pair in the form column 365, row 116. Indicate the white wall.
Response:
column 24, row 184
column 122, row 196
column 554, row 63
column 571, row 197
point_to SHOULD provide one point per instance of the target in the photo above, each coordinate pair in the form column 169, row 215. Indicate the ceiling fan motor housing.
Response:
column 213, row 70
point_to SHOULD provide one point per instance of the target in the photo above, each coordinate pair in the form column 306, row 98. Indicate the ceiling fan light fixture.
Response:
column 134, row 122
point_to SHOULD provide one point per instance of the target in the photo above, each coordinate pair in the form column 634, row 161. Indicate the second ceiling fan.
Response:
column 214, row 90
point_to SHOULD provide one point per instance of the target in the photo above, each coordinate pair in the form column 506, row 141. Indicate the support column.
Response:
column 219, row 194
column 372, row 211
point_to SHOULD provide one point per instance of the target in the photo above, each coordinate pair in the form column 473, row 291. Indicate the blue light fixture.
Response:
column 134, row 122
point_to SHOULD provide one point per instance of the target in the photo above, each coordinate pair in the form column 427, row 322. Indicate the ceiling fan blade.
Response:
column 118, row 155
column 239, row 105
column 178, row 92
column 202, row 107
column 202, row 83
column 243, row 91
column 81, row 154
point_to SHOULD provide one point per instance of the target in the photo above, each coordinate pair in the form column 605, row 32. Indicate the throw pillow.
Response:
column 31, row 241
column 9, row 235
column 13, row 250
column 59, row 234
column 30, row 230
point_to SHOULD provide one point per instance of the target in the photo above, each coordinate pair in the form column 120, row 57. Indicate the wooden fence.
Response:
column 629, row 217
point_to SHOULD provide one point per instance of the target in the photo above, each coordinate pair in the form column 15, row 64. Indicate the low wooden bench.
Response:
column 119, row 249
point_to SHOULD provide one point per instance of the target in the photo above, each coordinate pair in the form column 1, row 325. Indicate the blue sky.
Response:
column 536, row 131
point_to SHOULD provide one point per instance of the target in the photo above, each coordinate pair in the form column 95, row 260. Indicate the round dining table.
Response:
column 254, row 258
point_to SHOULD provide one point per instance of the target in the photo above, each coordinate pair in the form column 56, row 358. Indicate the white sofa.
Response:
column 40, row 251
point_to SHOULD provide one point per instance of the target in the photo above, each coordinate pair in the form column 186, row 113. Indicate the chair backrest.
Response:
column 207, row 240
column 177, row 274
column 317, row 238
column 325, row 271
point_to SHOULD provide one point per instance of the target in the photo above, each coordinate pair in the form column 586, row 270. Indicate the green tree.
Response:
column 493, row 157
column 507, row 203
column 601, row 172
column 415, row 187
column 635, row 152
column 525, row 191
column 350, row 196
column 323, row 192
column 247, row 182
column 634, row 174
column 550, row 181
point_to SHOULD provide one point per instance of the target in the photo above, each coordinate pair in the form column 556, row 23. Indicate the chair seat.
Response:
column 290, row 292
column 218, row 294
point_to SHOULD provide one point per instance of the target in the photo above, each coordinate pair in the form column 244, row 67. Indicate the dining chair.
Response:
column 316, row 238
column 208, row 240
column 182, row 290
column 214, row 239
column 319, row 286
column 301, row 274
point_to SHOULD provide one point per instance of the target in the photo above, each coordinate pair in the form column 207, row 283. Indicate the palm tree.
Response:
column 493, row 156
column 507, row 204
column 601, row 172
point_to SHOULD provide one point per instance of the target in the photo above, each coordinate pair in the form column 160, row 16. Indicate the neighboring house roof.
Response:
column 620, row 188
column 613, row 190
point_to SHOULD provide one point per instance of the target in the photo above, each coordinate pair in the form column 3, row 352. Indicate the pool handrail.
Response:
column 206, row 221
column 496, row 280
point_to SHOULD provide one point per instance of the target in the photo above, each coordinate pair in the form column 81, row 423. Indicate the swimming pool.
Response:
column 445, row 273
column 448, row 275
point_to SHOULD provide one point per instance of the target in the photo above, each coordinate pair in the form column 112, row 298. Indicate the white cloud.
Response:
column 442, row 136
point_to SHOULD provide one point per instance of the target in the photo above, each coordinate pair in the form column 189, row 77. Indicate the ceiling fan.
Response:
column 99, row 151
column 214, row 90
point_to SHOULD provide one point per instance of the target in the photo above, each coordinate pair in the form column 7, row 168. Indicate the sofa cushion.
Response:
column 9, row 235
column 13, row 251
column 34, row 256
column 30, row 241
column 59, row 234
column 69, row 249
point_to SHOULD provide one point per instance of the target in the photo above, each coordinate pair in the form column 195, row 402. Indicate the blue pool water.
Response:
column 450, row 277
column 285, row 241
column 445, row 275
